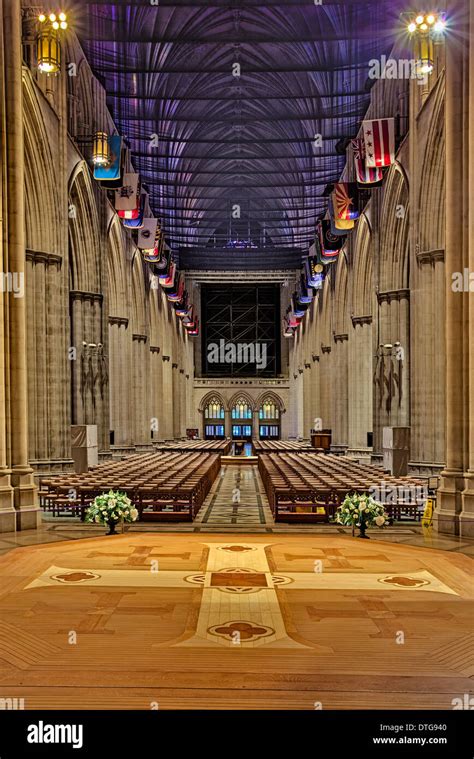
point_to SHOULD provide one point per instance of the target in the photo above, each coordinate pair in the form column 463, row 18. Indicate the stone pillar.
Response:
column 167, row 400
column 120, row 380
column 140, row 392
column 449, row 503
column 156, row 406
column 326, row 390
column 25, row 492
column 340, row 365
column 7, row 510
column 466, row 519
column 360, row 384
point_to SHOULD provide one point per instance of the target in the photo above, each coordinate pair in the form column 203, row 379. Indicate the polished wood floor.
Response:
column 141, row 621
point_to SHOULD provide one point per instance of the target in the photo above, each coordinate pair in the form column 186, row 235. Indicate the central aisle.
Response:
column 237, row 498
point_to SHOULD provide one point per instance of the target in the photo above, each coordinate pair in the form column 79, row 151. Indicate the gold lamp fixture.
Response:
column 101, row 149
column 48, row 46
column 426, row 29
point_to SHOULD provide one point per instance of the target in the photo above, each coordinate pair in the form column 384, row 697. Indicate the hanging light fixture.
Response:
column 101, row 149
column 426, row 29
column 48, row 51
column 48, row 47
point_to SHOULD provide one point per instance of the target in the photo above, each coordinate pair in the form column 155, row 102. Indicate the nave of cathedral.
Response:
column 237, row 320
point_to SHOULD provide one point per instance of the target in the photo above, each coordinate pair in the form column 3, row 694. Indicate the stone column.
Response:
column 167, row 400
column 449, row 503
column 156, row 408
column 340, row 432
column 360, row 384
column 466, row 519
column 120, row 380
column 7, row 510
column 326, row 390
column 25, row 492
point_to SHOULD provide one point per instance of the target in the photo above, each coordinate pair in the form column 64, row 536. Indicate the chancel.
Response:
column 237, row 376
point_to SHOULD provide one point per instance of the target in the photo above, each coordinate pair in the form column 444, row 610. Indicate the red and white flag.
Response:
column 379, row 142
column 364, row 174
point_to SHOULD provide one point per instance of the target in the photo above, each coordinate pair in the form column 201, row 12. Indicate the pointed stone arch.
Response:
column 362, row 285
column 245, row 397
column 84, row 243
column 394, row 230
column 269, row 394
column 209, row 397
column 42, row 209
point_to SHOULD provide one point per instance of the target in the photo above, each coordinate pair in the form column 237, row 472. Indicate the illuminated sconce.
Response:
column 426, row 29
column 101, row 149
column 48, row 47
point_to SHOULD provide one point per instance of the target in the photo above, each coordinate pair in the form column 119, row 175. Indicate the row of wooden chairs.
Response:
column 162, row 486
column 204, row 446
column 303, row 487
column 274, row 446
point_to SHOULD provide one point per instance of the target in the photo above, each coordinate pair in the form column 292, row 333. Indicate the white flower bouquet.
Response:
column 362, row 511
column 111, row 508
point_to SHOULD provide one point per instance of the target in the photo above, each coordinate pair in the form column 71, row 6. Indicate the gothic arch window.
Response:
column 214, row 416
column 269, row 410
column 241, row 409
column 214, row 409
column 269, row 419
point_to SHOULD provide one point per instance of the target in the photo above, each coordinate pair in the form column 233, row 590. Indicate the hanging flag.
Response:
column 314, row 272
column 168, row 277
column 330, row 244
column 147, row 236
column 364, row 174
column 164, row 263
column 138, row 222
column 287, row 330
column 345, row 201
column 379, row 141
column 194, row 332
column 111, row 171
column 337, row 232
column 182, row 307
column 304, row 293
column 127, row 197
column 189, row 322
column 293, row 320
column 175, row 295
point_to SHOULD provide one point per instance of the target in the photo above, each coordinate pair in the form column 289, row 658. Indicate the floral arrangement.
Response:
column 111, row 508
column 361, row 510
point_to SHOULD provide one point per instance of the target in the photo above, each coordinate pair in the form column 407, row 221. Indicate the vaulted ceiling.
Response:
column 226, row 140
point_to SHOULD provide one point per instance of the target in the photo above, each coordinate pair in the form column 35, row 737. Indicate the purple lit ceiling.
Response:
column 226, row 140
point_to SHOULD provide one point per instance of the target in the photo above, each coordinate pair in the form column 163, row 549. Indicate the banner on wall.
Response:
column 127, row 197
column 138, row 222
column 365, row 175
column 112, row 172
column 167, row 279
column 334, row 229
column 330, row 244
column 379, row 142
column 345, row 201
column 147, row 236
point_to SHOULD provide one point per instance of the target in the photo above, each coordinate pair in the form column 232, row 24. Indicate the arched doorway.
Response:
column 214, row 419
column 269, row 419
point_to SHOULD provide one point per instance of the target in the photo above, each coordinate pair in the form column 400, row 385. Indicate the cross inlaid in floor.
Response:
column 239, row 599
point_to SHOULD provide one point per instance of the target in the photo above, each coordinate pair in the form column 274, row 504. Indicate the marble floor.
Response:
column 236, row 503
